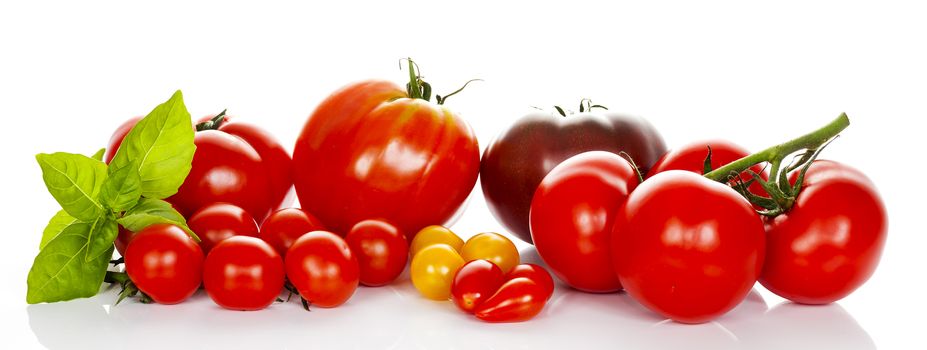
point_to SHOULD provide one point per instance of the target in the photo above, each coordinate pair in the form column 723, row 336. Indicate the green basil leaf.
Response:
column 99, row 154
column 74, row 180
column 161, row 146
column 102, row 235
column 122, row 188
column 60, row 272
column 56, row 225
column 153, row 211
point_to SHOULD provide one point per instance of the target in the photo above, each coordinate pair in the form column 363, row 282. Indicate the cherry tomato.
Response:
column 369, row 146
column 518, row 299
column 164, row 263
column 535, row 273
column 243, row 273
column 433, row 270
column 831, row 240
column 285, row 226
column 687, row 247
column 571, row 218
column 474, row 282
column 691, row 157
column 322, row 268
column 219, row 221
column 493, row 247
column 381, row 250
column 122, row 240
column 435, row 234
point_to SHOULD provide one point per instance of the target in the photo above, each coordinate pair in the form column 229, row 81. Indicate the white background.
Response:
column 756, row 73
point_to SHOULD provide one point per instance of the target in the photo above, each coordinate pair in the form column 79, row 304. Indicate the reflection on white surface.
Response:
column 397, row 317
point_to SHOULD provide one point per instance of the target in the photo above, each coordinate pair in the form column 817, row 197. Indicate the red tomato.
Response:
column 122, row 240
column 571, row 218
column 691, row 157
column 243, row 273
column 285, row 226
column 381, row 251
column 831, row 240
column 321, row 267
column 219, row 221
column 368, row 148
column 164, row 263
column 519, row 299
column 687, row 247
column 474, row 282
column 535, row 273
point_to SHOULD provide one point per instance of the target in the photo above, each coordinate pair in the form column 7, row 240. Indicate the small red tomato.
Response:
column 535, row 273
column 321, row 267
column 219, row 221
column 243, row 273
column 285, row 226
column 164, row 263
column 381, row 251
column 122, row 240
column 519, row 299
column 474, row 282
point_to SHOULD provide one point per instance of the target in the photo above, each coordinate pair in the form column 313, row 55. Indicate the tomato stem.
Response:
column 413, row 89
column 212, row 124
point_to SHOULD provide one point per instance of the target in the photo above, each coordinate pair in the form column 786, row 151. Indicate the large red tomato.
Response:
column 691, row 157
column 687, row 247
column 571, row 218
column 830, row 242
column 371, row 151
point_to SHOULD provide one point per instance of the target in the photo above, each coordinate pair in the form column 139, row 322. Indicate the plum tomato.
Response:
column 435, row 234
column 518, row 299
column 219, row 221
column 243, row 273
column 493, row 247
column 433, row 270
column 285, row 226
column 535, row 273
column 164, row 263
column 474, row 282
column 322, row 268
column 381, row 251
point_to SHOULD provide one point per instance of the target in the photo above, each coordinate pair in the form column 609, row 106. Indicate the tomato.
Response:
column 493, row 247
column 322, row 268
column 164, row 263
column 571, row 218
column 243, row 273
column 219, row 221
column 285, row 226
column 435, row 234
column 474, row 282
column 691, row 157
column 519, row 158
column 687, row 247
column 831, row 240
column 518, row 299
column 381, row 250
column 535, row 273
column 433, row 270
column 122, row 240
column 369, row 147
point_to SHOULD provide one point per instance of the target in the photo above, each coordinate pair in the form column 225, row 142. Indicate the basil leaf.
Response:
column 161, row 146
column 74, row 180
column 102, row 235
column 60, row 272
column 99, row 154
column 153, row 211
column 56, row 225
column 122, row 188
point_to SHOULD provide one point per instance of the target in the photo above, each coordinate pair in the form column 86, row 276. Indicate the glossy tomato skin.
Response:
column 275, row 160
column 432, row 271
column 285, row 226
column 120, row 134
column 381, row 251
column 243, row 273
column 518, row 299
column 516, row 162
column 691, row 157
column 219, row 221
column 225, row 169
column 535, row 273
column 474, row 282
column 322, row 268
column 368, row 147
column 686, row 247
column 572, row 215
column 164, row 263
column 493, row 247
column 830, row 242
column 435, row 234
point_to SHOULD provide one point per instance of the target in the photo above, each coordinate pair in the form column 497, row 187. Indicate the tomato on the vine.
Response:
column 164, row 263
column 433, row 270
column 493, row 247
column 243, row 273
column 830, row 241
column 691, row 157
column 687, row 247
column 285, row 226
column 219, row 221
column 381, row 250
column 322, row 268
column 474, row 282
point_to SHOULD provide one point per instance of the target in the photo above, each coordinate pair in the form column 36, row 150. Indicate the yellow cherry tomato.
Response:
column 493, row 247
column 435, row 234
column 433, row 270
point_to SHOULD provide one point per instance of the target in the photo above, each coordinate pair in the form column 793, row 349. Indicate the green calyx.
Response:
column 585, row 105
column 420, row 89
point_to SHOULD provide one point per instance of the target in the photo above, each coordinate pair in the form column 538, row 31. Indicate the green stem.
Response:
column 414, row 89
column 116, row 277
column 212, row 124
column 776, row 154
